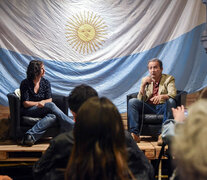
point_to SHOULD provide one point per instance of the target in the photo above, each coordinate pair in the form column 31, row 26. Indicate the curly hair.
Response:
column 99, row 151
column 34, row 69
column 189, row 145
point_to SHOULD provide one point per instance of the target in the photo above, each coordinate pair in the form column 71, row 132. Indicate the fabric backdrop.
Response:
column 102, row 43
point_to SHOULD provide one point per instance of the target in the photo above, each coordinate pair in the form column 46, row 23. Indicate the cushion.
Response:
column 31, row 121
column 153, row 118
column 17, row 93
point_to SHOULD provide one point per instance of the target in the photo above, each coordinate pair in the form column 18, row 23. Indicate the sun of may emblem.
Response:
column 86, row 32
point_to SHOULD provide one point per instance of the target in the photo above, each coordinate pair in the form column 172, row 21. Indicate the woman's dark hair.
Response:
column 34, row 69
column 99, row 152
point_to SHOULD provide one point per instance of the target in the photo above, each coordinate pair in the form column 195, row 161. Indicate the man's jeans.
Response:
column 135, row 107
column 50, row 113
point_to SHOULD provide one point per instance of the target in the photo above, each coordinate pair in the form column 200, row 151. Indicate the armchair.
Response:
column 152, row 123
column 20, row 124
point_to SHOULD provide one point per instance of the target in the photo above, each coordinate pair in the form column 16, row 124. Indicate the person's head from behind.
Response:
column 189, row 145
column 79, row 95
column 35, row 69
column 155, row 68
column 99, row 150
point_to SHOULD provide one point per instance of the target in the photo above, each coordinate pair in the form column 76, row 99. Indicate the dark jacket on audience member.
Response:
column 57, row 155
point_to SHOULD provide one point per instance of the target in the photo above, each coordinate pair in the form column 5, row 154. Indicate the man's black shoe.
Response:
column 27, row 140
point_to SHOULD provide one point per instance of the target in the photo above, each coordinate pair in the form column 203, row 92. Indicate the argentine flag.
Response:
column 105, row 44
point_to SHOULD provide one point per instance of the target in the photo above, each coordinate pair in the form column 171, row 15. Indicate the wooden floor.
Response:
column 10, row 151
column 16, row 153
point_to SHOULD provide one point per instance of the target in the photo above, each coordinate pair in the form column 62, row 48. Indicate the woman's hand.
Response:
column 41, row 104
column 178, row 113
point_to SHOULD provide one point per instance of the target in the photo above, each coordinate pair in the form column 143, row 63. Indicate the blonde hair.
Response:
column 190, row 144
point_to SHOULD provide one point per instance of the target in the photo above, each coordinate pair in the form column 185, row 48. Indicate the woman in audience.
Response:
column 99, row 152
column 36, row 101
column 189, row 143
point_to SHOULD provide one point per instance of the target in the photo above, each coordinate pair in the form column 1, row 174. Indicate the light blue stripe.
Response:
column 183, row 57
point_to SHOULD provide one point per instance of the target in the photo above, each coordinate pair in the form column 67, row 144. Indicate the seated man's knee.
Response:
column 132, row 100
column 134, row 103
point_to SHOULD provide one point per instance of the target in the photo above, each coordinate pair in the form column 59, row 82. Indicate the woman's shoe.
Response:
column 27, row 140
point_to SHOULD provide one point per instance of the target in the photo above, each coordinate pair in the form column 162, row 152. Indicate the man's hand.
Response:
column 147, row 80
column 178, row 113
column 156, row 99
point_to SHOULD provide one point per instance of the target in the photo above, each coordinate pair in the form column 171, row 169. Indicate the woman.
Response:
column 36, row 101
column 99, row 152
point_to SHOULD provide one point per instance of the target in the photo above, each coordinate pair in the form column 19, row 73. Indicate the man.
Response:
column 157, row 92
column 57, row 154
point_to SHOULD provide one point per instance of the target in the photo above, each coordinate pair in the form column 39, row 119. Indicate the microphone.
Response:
column 147, row 83
column 142, row 119
column 144, row 91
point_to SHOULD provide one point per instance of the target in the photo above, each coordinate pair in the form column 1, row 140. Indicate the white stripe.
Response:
column 37, row 28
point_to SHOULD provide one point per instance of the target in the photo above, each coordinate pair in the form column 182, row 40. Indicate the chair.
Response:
column 152, row 123
column 20, row 124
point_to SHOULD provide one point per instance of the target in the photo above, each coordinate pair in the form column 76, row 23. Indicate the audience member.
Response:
column 168, row 129
column 36, row 101
column 157, row 92
column 58, row 153
column 99, row 151
column 189, row 144
column 179, row 114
